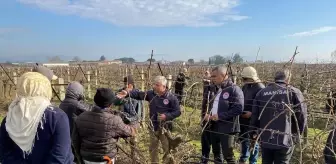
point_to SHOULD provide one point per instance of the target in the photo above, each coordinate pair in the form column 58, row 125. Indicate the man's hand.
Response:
column 162, row 117
column 122, row 94
column 214, row 117
column 128, row 89
column 206, row 117
column 134, row 131
column 247, row 115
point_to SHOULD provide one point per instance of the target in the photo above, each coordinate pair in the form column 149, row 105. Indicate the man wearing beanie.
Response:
column 91, row 138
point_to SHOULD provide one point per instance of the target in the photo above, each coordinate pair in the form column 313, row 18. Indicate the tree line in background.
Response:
column 213, row 60
column 216, row 59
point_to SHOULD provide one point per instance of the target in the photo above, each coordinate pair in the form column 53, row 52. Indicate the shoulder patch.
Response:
column 226, row 95
column 165, row 101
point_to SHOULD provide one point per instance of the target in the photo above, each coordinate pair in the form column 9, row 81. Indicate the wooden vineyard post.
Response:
column 88, row 84
column 2, row 88
column 61, row 89
column 126, row 72
column 169, row 81
column 68, row 74
column 96, row 78
column 142, row 80
column 15, row 78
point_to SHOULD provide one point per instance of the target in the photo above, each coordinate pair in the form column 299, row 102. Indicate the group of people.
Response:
column 273, row 116
column 35, row 131
column 270, row 118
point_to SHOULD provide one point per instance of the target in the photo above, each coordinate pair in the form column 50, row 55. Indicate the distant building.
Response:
column 110, row 62
column 98, row 63
column 56, row 64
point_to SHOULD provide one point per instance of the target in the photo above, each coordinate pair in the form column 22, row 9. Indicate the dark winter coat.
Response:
column 250, row 90
column 73, row 104
column 96, row 134
column 230, row 106
column 180, row 82
column 330, row 148
column 282, row 131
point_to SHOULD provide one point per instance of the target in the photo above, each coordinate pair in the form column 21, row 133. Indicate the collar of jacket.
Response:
column 99, row 109
column 225, row 84
column 163, row 95
column 251, row 84
column 280, row 82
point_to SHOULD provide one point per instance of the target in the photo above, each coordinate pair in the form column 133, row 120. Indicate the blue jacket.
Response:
column 166, row 104
column 132, row 107
column 52, row 144
column 282, row 131
column 230, row 106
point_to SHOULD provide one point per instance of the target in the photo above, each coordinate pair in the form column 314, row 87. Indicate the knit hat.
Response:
column 250, row 73
column 46, row 72
column 104, row 97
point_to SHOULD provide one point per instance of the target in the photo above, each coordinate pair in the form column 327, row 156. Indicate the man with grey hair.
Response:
column 227, row 103
column 278, row 109
column 163, row 108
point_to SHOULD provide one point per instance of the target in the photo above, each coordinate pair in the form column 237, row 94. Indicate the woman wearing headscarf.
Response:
column 34, row 131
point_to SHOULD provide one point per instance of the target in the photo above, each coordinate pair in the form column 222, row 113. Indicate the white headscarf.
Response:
column 27, row 110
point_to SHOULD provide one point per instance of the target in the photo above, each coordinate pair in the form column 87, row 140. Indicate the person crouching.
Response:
column 96, row 132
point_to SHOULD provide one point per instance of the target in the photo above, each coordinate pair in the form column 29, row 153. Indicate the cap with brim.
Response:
column 46, row 72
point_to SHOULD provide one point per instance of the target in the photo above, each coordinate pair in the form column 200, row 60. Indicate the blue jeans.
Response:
column 245, row 152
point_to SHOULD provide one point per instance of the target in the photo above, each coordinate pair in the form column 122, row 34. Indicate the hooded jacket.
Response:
column 73, row 104
column 269, row 105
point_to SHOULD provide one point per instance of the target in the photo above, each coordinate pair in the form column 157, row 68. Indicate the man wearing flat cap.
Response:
column 46, row 72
